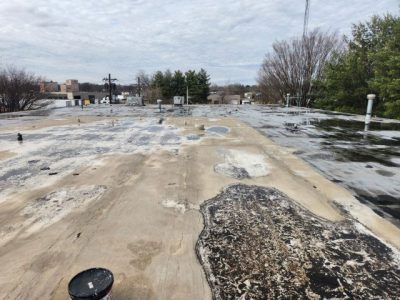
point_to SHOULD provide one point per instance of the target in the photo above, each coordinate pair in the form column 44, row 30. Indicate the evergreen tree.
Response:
column 167, row 91
column 371, row 64
column 158, row 80
column 193, row 85
column 203, row 85
column 386, row 64
column 170, row 85
column 178, row 85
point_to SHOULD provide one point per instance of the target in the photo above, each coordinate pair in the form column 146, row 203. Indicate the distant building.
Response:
column 249, row 95
column 48, row 86
column 60, row 99
column 232, row 99
column 70, row 86
column 214, row 99
column 217, row 98
column 123, row 97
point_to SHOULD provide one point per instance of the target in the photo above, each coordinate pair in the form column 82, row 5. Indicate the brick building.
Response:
column 70, row 86
column 48, row 86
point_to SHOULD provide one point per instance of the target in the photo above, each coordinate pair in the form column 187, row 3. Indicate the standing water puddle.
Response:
column 218, row 129
column 193, row 137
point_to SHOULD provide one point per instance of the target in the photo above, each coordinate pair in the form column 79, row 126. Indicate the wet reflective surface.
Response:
column 218, row 129
column 336, row 144
column 257, row 242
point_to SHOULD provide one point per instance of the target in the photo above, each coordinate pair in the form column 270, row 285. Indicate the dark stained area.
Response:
column 259, row 244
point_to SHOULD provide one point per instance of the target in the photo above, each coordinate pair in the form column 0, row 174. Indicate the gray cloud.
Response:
column 88, row 39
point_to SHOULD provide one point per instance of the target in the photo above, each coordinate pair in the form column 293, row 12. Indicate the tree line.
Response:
column 166, row 85
column 19, row 89
column 324, row 71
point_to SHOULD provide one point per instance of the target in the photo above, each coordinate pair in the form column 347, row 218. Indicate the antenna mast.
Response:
column 306, row 17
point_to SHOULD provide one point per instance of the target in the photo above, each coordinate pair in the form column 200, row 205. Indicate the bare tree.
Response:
column 19, row 90
column 235, row 89
column 294, row 65
column 144, row 82
column 152, row 93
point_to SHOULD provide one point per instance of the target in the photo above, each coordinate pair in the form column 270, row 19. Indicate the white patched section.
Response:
column 54, row 206
column 179, row 206
column 362, row 229
column 168, row 203
column 62, row 150
column 253, row 164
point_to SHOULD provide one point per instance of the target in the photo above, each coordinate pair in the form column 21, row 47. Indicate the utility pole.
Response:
column 187, row 94
column 110, row 87
column 287, row 99
column 139, row 87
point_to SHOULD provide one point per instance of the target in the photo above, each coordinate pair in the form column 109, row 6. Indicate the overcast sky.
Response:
column 87, row 39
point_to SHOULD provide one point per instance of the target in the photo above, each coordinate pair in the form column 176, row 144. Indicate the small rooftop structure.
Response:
column 134, row 100
column 179, row 100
